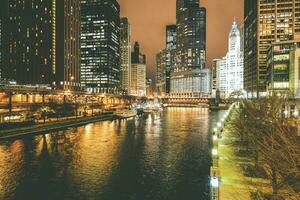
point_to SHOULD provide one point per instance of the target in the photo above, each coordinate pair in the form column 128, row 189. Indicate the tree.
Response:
column 264, row 130
column 45, row 111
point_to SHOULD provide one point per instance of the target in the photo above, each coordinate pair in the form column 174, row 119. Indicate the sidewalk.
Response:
column 234, row 185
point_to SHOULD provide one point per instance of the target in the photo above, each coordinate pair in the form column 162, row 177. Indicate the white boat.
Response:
column 126, row 113
column 152, row 109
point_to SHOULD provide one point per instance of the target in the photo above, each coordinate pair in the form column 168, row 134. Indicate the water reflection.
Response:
column 156, row 156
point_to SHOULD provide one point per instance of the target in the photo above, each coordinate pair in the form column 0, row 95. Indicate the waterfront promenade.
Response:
column 234, row 184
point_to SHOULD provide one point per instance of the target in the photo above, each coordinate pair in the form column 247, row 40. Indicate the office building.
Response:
column 283, row 69
column 230, row 68
column 125, row 46
column 171, row 36
column 3, row 34
column 44, row 45
column 161, row 71
column 138, row 72
column 100, row 45
column 190, row 49
column 266, row 22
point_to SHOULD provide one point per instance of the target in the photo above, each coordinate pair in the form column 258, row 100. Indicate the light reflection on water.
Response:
column 152, row 157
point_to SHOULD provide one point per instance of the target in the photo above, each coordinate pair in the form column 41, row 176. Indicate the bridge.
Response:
column 17, row 96
column 194, row 101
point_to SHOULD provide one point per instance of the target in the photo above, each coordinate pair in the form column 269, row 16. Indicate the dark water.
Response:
column 154, row 157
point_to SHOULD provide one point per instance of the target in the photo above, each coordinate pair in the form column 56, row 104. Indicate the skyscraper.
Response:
column 3, row 34
column 283, row 69
column 44, row 43
column 125, row 46
column 138, row 72
column 161, row 72
column 137, row 56
column 266, row 22
column 171, row 35
column 190, row 49
column 231, row 67
column 66, row 43
column 100, row 45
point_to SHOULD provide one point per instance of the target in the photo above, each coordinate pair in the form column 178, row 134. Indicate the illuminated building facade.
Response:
column 190, row 49
column 230, row 68
column 138, row 72
column 171, row 37
column 283, row 69
column 125, row 41
column 266, row 22
column 44, row 43
column 161, row 73
column 100, row 45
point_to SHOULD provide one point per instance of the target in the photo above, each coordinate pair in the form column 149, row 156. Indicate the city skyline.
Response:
column 217, row 116
column 220, row 14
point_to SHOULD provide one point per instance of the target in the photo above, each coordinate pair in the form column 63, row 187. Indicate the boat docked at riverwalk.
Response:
column 126, row 113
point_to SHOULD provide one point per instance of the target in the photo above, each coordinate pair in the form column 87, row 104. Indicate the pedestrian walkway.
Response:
column 234, row 185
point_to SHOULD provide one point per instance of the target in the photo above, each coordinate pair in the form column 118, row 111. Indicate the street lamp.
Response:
column 215, row 152
column 214, row 182
column 215, row 137
column 296, row 113
column 285, row 113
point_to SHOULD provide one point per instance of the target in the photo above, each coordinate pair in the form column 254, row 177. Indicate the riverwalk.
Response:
column 52, row 126
column 234, row 185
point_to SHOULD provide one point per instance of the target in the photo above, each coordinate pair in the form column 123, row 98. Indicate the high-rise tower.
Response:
column 229, row 69
column 171, row 37
column 190, row 49
column 125, row 46
column 44, row 43
column 266, row 22
column 100, row 45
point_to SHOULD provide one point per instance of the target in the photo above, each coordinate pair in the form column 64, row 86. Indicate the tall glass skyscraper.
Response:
column 171, row 37
column 125, row 41
column 100, row 45
column 190, row 49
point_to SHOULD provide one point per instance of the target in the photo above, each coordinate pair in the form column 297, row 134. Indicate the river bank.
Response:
column 235, row 184
column 52, row 126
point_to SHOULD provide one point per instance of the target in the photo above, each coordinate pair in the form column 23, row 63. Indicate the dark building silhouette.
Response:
column 100, row 45
column 3, row 35
column 43, row 41
column 136, row 56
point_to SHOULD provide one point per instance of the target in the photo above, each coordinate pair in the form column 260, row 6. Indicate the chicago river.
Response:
column 158, row 156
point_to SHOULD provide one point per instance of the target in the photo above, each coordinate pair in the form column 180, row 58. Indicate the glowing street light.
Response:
column 285, row 113
column 214, row 182
column 215, row 152
column 215, row 130
column 296, row 113
column 215, row 137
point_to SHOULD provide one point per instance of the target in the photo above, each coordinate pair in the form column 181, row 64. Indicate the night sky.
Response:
column 148, row 19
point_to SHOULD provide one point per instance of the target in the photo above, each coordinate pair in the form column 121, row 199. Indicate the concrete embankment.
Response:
column 48, row 127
